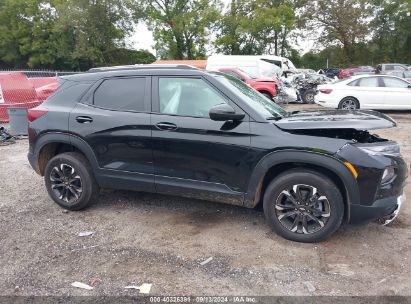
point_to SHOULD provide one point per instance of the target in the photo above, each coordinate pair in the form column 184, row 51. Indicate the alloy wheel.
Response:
column 349, row 104
column 302, row 209
column 65, row 183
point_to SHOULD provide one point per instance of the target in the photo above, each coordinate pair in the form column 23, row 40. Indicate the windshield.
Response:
column 257, row 101
column 248, row 74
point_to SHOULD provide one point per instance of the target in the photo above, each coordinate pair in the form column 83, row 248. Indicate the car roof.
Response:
column 146, row 70
column 352, row 78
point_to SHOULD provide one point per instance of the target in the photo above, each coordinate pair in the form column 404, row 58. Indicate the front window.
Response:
column 253, row 98
column 187, row 97
column 395, row 83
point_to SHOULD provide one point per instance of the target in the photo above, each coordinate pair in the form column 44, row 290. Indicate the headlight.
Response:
column 388, row 175
column 381, row 149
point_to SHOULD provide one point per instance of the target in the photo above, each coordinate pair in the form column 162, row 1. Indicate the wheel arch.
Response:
column 276, row 163
column 266, row 92
column 52, row 144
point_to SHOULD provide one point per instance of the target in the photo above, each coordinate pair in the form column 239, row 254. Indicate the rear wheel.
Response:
column 304, row 206
column 70, row 181
column 349, row 103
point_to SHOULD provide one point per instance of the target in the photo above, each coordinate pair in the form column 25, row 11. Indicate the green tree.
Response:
column 61, row 34
column 341, row 22
column 255, row 27
column 180, row 27
column 392, row 35
column 122, row 56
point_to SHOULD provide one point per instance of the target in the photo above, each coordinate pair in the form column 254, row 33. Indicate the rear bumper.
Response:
column 33, row 162
column 386, row 209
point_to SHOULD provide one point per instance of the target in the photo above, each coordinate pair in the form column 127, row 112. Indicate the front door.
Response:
column 194, row 155
column 397, row 93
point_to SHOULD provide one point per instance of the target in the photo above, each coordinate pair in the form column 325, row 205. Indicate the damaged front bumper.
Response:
column 384, row 210
column 390, row 218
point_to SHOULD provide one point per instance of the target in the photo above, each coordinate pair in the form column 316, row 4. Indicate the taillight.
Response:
column 326, row 91
column 33, row 114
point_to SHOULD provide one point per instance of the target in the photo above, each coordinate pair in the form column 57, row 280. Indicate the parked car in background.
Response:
column 306, row 85
column 268, row 86
column 45, row 91
column 361, row 70
column 200, row 64
column 16, row 91
column 406, row 74
column 330, row 72
column 37, row 82
column 311, row 71
column 257, row 66
column 206, row 135
column 386, row 68
column 381, row 92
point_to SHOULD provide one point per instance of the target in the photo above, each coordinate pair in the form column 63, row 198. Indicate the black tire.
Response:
column 308, row 96
column 283, row 222
column 349, row 103
column 70, row 181
column 268, row 95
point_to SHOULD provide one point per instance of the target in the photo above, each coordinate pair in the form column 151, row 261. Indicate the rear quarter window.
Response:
column 68, row 91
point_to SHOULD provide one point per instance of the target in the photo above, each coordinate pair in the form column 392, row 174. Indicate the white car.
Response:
column 381, row 92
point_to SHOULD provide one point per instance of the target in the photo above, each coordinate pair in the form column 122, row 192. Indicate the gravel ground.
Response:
column 148, row 238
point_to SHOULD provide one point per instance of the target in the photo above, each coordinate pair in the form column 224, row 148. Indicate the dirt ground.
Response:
column 147, row 238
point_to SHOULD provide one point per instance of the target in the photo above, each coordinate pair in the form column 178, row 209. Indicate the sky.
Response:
column 142, row 38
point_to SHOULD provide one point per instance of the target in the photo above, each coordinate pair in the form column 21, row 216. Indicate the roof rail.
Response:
column 143, row 67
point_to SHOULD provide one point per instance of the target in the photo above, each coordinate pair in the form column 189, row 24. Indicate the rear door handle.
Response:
column 84, row 119
column 166, row 126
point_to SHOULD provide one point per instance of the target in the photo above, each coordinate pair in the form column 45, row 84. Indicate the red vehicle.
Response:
column 356, row 71
column 265, row 85
column 38, row 82
column 16, row 92
column 45, row 91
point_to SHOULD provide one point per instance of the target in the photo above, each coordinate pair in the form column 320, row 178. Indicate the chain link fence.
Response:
column 26, row 88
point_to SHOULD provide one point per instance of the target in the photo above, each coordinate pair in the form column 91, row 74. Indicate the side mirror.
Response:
column 409, row 86
column 224, row 112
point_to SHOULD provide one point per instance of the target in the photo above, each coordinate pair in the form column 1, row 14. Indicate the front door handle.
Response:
column 84, row 119
column 166, row 126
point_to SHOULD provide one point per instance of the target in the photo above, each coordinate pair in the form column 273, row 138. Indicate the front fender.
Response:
column 328, row 162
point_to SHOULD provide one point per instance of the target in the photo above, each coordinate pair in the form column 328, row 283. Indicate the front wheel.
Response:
column 303, row 205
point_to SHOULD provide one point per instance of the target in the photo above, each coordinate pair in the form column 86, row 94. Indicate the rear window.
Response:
column 124, row 94
column 368, row 82
column 68, row 91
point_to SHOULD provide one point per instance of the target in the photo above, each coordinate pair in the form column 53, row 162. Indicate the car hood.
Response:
column 336, row 119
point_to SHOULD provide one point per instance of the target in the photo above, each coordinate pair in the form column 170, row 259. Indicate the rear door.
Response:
column 194, row 155
column 114, row 121
column 397, row 93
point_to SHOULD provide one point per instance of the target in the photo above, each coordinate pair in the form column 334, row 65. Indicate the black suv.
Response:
column 186, row 132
